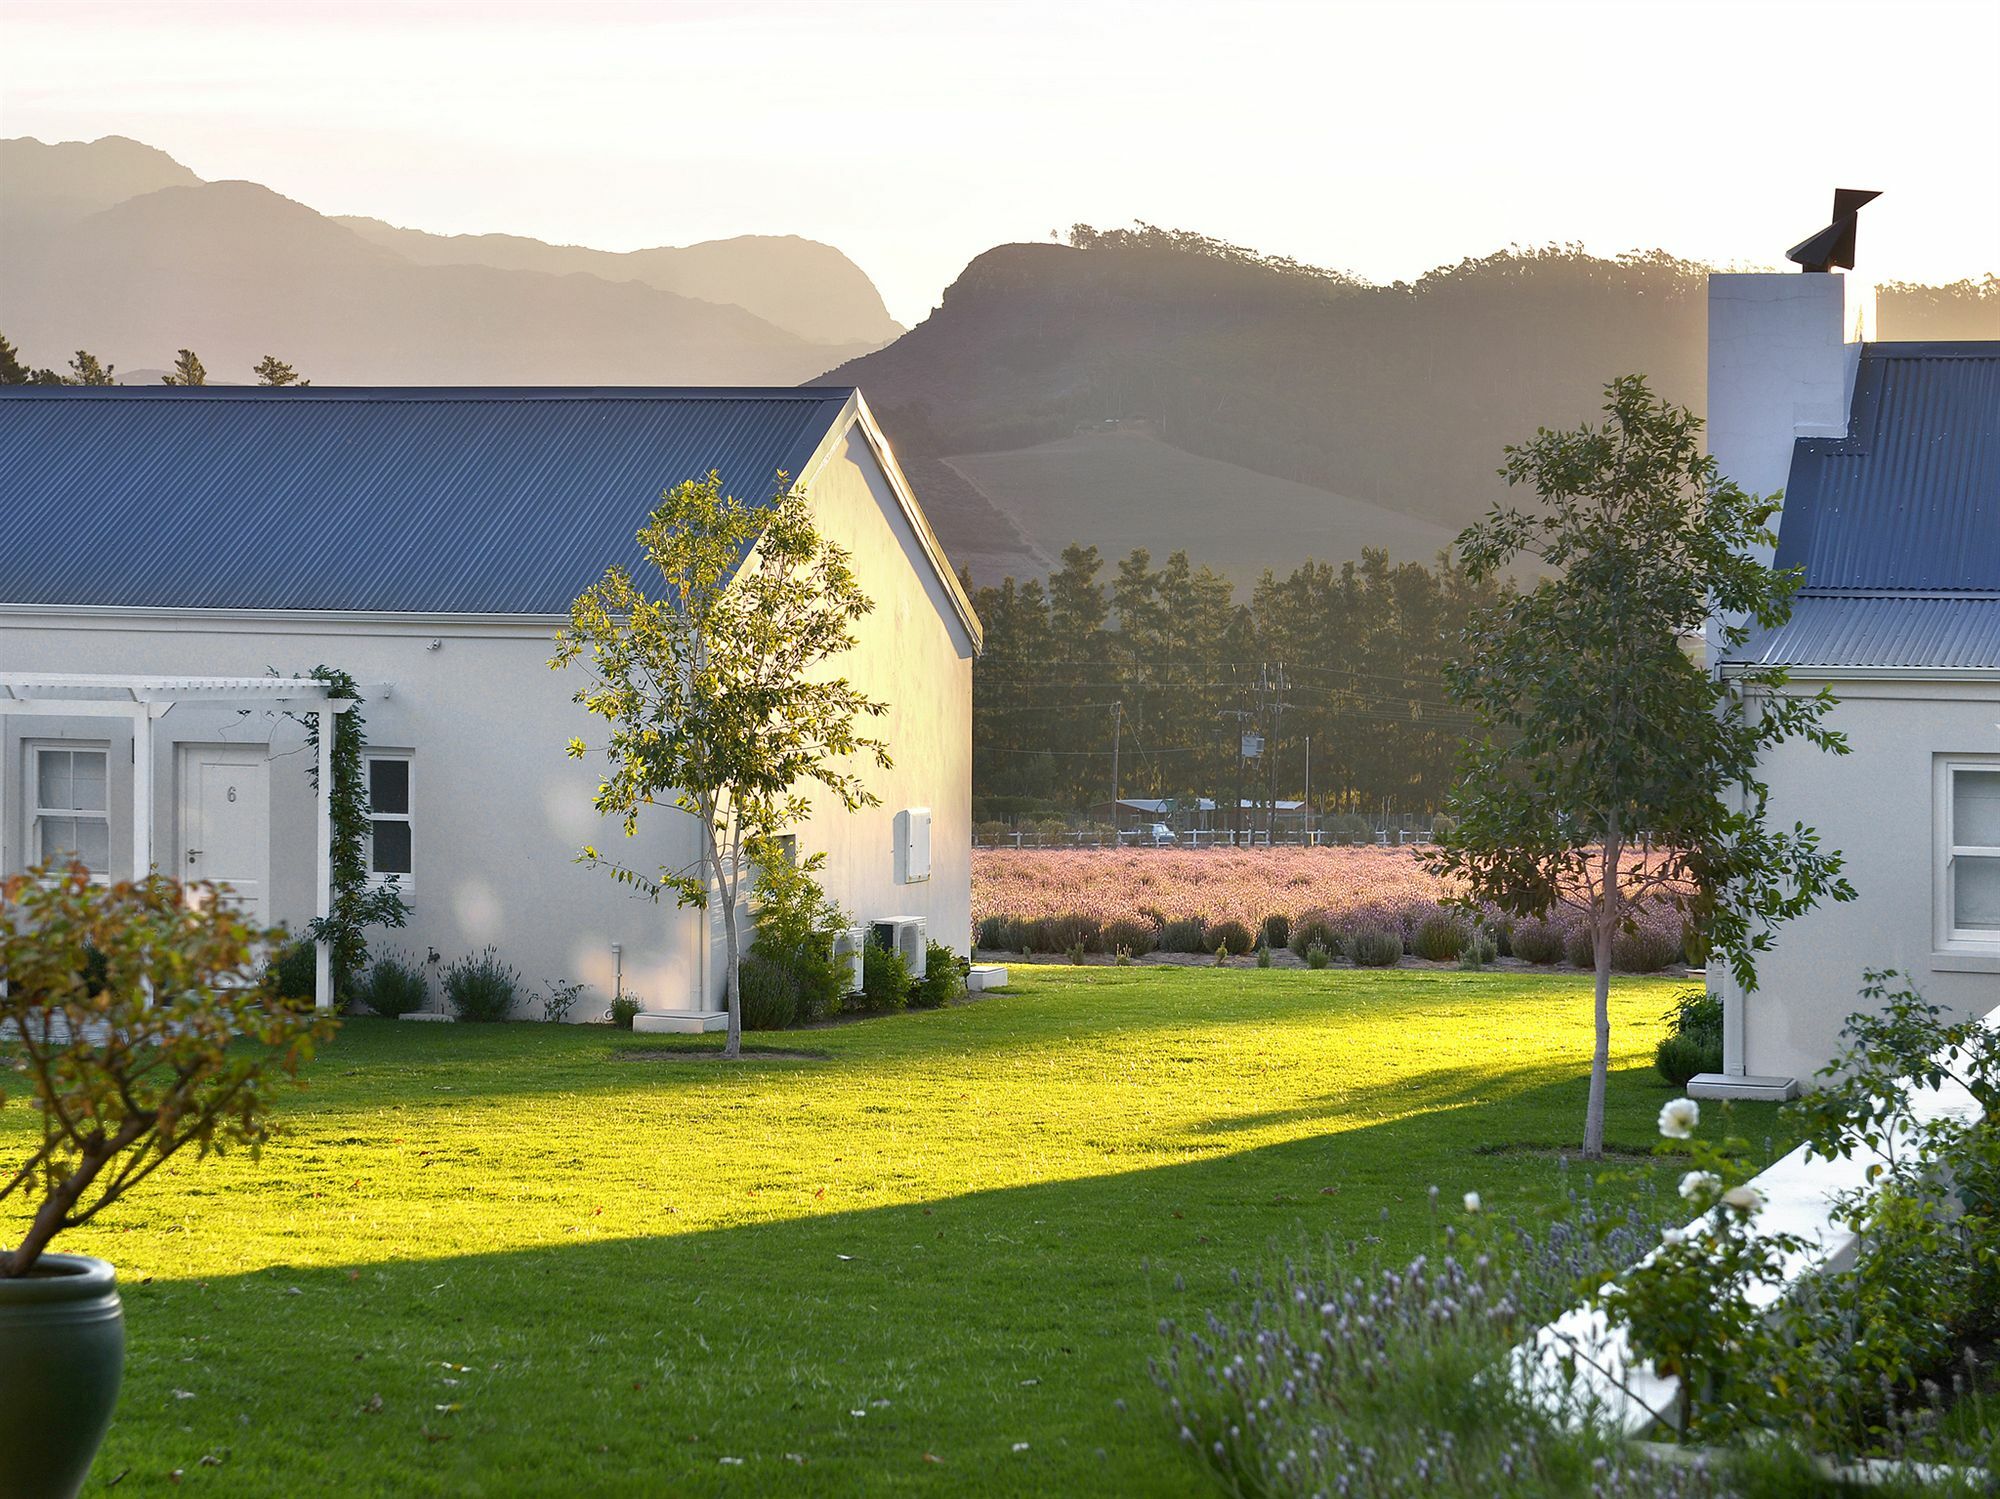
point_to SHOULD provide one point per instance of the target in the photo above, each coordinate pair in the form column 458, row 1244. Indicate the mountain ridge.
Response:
column 838, row 305
column 114, row 246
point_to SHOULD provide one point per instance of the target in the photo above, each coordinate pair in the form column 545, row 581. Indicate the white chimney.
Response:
column 1783, row 349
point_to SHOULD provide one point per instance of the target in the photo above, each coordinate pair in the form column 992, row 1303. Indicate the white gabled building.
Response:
column 1889, row 458
column 167, row 550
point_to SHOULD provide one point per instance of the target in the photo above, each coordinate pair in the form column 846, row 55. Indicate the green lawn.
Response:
column 500, row 1260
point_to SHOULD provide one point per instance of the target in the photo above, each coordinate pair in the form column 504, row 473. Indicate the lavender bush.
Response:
column 1338, row 1377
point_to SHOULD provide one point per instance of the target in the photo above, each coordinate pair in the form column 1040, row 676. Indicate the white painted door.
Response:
column 226, row 821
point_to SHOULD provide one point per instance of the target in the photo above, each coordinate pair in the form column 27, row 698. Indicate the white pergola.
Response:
column 142, row 700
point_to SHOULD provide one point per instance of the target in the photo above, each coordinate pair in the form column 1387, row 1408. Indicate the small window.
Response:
column 70, row 821
column 390, row 843
column 1970, row 877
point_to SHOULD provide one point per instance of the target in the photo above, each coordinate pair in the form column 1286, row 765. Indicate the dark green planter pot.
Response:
column 62, row 1354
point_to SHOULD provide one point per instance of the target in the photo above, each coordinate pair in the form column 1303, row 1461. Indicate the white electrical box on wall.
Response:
column 913, row 845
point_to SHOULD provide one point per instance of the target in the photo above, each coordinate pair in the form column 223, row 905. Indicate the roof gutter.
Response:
column 1734, row 670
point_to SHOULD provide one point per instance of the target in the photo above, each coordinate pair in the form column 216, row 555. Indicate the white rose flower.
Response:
column 1672, row 1236
column 1678, row 1119
column 1701, row 1187
column 1745, row 1199
column 1472, row 1202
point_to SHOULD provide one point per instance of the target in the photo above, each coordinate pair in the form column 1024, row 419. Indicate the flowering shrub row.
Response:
column 1054, row 901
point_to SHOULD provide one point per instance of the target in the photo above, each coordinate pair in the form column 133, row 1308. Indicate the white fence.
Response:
column 1204, row 838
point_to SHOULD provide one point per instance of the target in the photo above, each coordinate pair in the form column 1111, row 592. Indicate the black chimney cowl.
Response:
column 1833, row 245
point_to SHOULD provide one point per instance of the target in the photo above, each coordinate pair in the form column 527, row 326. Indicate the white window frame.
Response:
column 31, row 833
column 1949, row 937
column 406, row 884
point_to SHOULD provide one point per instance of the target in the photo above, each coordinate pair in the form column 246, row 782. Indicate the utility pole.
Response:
column 1271, row 705
column 1271, row 711
column 1243, row 716
column 1117, row 734
column 1306, row 807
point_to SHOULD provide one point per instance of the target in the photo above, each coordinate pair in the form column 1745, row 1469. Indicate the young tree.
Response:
column 1596, row 728
column 714, row 692
column 187, row 370
column 86, row 369
column 271, row 370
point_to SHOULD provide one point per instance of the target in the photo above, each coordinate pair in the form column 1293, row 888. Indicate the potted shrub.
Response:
column 136, row 1020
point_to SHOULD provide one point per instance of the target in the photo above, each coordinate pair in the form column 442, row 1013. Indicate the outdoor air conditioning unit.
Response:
column 906, row 935
column 847, row 948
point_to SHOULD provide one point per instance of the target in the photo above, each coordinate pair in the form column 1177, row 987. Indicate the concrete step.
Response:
column 679, row 1022
column 1727, row 1085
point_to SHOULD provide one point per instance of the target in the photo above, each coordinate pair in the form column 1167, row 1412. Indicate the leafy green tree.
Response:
column 1608, row 766
column 714, row 691
column 14, row 372
column 87, row 369
column 187, row 370
column 273, row 371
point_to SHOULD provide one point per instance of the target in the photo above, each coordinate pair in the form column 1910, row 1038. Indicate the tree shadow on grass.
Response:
column 903, row 1348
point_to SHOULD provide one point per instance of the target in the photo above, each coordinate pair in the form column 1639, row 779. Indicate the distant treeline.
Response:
column 85, row 368
column 1165, row 665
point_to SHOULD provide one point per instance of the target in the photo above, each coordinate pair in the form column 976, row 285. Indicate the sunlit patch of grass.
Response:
column 871, row 1272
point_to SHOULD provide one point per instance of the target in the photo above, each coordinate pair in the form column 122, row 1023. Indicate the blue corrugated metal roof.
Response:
column 1897, row 524
column 446, row 501
column 1950, row 632
column 1910, row 498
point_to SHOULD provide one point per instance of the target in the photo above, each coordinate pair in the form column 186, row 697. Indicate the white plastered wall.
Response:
column 499, row 812
column 913, row 653
column 1878, row 806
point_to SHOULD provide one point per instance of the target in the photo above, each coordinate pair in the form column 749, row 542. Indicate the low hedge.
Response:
column 395, row 986
column 1375, row 947
column 1539, row 942
column 1439, row 939
column 1314, row 929
column 943, row 979
column 1134, row 938
column 1232, row 937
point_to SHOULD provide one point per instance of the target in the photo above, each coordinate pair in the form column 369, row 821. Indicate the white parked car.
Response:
column 1157, row 834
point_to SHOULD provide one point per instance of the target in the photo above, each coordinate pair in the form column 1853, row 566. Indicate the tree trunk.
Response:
column 1604, row 927
column 55, row 1208
column 725, row 891
column 733, row 1046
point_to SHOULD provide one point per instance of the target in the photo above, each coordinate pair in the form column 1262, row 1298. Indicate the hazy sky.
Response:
column 1379, row 138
